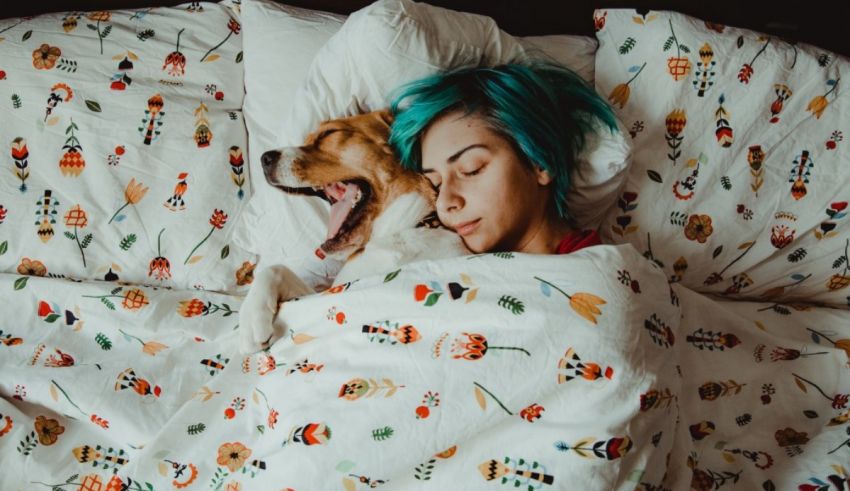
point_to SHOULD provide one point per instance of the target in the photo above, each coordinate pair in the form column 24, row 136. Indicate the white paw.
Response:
column 256, row 323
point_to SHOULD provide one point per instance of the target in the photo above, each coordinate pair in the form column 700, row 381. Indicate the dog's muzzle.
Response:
column 269, row 159
column 277, row 167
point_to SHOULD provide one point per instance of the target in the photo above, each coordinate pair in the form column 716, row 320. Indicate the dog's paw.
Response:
column 255, row 329
column 257, row 323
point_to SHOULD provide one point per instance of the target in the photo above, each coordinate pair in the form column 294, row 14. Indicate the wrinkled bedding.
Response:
column 440, row 374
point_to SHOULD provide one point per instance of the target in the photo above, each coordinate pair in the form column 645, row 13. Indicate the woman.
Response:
column 498, row 145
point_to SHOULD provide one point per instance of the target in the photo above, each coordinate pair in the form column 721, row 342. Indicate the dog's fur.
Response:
column 348, row 162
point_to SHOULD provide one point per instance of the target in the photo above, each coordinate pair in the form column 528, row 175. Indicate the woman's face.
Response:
column 493, row 200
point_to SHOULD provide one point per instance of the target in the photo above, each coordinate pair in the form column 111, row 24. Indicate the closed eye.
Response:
column 324, row 134
column 475, row 171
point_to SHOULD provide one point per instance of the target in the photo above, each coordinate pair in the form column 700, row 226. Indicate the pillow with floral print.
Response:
column 739, row 185
column 123, row 146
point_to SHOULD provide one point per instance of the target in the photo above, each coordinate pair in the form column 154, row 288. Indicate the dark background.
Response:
column 818, row 22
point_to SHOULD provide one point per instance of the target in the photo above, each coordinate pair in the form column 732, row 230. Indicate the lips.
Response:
column 467, row 228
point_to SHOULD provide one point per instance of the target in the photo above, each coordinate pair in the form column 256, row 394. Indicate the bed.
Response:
column 705, row 346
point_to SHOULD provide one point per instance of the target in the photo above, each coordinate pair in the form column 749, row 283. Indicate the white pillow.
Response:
column 280, row 43
column 377, row 49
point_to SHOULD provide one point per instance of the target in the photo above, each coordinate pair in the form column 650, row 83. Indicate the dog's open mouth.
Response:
column 347, row 200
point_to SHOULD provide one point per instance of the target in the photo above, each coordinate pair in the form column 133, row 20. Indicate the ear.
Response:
column 384, row 116
column 543, row 176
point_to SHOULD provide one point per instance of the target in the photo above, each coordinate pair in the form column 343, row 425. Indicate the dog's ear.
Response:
column 385, row 116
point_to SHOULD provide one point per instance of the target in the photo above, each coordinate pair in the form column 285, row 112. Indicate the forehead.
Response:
column 452, row 132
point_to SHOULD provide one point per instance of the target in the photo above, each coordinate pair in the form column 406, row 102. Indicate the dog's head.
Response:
column 350, row 163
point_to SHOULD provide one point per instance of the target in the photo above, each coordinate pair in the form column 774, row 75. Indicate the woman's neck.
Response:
column 546, row 236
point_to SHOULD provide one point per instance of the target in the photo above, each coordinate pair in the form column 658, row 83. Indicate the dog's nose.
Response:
column 270, row 158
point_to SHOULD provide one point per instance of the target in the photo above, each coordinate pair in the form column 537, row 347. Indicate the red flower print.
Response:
column 218, row 219
column 532, row 413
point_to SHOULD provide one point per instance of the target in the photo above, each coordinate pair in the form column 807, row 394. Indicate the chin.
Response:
column 475, row 244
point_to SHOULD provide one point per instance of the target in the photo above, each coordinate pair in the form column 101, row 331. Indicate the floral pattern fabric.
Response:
column 739, row 185
column 123, row 146
column 764, row 397
column 439, row 375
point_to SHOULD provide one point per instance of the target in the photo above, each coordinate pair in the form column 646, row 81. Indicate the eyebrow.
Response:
column 457, row 155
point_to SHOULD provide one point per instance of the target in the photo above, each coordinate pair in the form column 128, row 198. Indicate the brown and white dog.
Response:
column 378, row 209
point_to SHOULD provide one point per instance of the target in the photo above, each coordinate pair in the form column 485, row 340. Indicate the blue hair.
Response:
column 544, row 109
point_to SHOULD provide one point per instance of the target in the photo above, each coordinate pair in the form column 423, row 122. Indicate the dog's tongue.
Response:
column 344, row 194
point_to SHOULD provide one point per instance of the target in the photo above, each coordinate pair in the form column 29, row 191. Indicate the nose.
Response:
column 270, row 158
column 449, row 198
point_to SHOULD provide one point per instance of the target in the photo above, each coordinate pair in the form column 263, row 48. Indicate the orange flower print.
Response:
column 233, row 455
column 150, row 347
column 677, row 66
column 196, row 307
column 48, row 430
column 72, row 162
column 159, row 267
column 245, row 274
column 100, row 16
column 620, row 95
column 175, row 202
column 191, row 308
column 675, row 123
column 45, row 57
column 272, row 419
column 134, row 299
column 819, row 102
column 475, row 346
column 583, row 303
column 175, row 62
column 532, row 413
column 31, row 267
column 354, row 389
column 133, row 193
column 76, row 218
column 698, row 228
column 217, row 220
